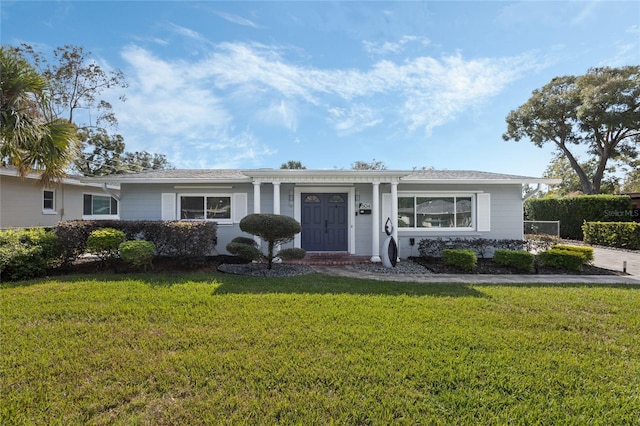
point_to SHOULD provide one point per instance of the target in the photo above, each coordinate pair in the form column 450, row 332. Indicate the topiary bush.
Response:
column 27, row 253
column 292, row 254
column 464, row 259
column 273, row 228
column 517, row 259
column 104, row 243
column 138, row 253
column 562, row 259
column 245, row 251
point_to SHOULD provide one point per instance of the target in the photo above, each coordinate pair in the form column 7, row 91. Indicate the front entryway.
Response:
column 324, row 221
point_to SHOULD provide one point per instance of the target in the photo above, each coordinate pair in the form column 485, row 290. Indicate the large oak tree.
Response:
column 598, row 112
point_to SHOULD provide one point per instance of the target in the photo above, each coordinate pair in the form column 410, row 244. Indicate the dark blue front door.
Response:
column 324, row 222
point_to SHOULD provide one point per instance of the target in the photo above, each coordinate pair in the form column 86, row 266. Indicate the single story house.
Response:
column 25, row 203
column 339, row 210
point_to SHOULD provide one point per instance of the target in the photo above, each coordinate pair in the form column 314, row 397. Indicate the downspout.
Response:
column 531, row 193
column 108, row 191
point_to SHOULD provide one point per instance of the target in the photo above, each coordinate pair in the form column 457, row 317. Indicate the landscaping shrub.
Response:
column 292, row 254
column 245, row 251
column 585, row 252
column 138, row 253
column 104, row 243
column 245, row 240
column 464, row 259
column 563, row 259
column 273, row 228
column 184, row 239
column 572, row 212
column 613, row 234
column 483, row 247
column 27, row 253
column 518, row 259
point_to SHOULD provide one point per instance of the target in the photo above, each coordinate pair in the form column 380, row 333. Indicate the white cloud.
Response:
column 383, row 48
column 235, row 19
column 184, row 105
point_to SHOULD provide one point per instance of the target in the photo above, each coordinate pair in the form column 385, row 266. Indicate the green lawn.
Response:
column 219, row 349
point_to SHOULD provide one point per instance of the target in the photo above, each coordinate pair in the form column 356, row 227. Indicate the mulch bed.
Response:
column 488, row 266
column 211, row 264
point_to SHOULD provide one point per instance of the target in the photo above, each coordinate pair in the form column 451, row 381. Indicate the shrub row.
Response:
column 613, row 234
column 464, row 259
column 517, row 259
column 483, row 247
column 27, row 253
column 180, row 239
column 572, row 212
column 558, row 256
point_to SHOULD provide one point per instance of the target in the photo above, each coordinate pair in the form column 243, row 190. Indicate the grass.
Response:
column 219, row 349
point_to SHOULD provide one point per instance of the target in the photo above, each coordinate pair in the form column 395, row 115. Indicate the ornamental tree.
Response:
column 598, row 112
column 273, row 228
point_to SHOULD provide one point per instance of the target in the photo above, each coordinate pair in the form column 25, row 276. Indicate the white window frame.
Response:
column 100, row 216
column 448, row 194
column 225, row 221
column 51, row 210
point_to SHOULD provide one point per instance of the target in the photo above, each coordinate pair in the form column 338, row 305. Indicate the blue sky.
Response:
column 239, row 84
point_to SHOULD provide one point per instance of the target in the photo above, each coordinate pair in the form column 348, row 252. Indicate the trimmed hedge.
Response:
column 137, row 253
column 563, row 259
column 518, row 259
column 464, row 259
column 613, row 234
column 104, row 243
column 483, row 247
column 292, row 254
column 572, row 212
column 27, row 253
column 180, row 239
column 585, row 252
column 245, row 251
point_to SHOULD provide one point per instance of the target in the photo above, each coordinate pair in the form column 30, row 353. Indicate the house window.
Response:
column 99, row 205
column 450, row 212
column 206, row 207
column 48, row 200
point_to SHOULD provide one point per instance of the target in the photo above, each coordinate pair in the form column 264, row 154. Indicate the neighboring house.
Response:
column 24, row 202
column 339, row 210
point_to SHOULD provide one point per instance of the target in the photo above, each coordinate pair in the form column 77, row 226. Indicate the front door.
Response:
column 324, row 222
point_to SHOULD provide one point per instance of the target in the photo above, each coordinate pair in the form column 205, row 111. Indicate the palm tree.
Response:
column 31, row 137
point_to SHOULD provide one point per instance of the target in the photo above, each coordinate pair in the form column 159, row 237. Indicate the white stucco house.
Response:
column 339, row 210
column 25, row 203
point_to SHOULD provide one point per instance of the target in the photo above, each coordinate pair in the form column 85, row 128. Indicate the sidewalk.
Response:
column 603, row 258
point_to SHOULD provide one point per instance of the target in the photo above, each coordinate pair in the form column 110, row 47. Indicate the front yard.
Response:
column 314, row 349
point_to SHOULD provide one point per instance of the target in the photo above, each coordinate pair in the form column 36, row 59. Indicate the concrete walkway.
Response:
column 603, row 258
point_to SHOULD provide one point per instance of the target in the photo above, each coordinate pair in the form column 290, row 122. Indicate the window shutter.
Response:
column 484, row 212
column 239, row 206
column 168, row 206
column 386, row 210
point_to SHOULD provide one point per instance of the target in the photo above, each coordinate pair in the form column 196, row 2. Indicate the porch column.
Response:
column 375, row 218
column 276, row 197
column 256, row 205
column 394, row 213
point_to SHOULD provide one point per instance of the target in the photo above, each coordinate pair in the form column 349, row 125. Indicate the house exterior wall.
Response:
column 21, row 202
column 144, row 202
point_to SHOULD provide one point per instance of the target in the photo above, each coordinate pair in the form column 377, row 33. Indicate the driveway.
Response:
column 614, row 260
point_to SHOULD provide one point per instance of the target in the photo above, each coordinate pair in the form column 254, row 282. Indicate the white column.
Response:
column 256, row 197
column 394, row 213
column 276, row 197
column 256, row 206
column 375, row 219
